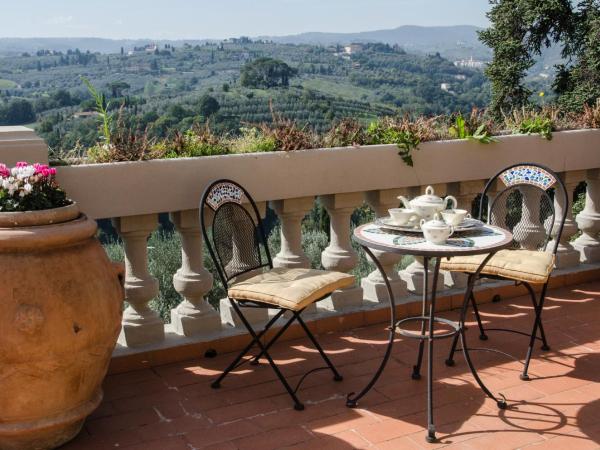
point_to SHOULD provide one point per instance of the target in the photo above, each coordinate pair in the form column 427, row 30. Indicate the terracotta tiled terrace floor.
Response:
column 173, row 407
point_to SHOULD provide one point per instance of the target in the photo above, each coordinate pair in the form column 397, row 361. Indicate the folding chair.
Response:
column 524, row 206
column 238, row 247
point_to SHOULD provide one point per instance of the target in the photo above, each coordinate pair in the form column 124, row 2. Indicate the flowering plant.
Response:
column 30, row 187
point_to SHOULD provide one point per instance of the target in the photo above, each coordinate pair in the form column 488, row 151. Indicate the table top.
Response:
column 482, row 240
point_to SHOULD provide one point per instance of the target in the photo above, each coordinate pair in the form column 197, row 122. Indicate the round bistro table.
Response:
column 486, row 240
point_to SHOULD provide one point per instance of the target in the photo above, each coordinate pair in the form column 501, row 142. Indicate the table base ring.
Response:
column 415, row 335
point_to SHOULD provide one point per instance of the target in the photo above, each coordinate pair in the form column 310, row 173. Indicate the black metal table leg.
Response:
column 352, row 398
column 416, row 373
column 430, row 426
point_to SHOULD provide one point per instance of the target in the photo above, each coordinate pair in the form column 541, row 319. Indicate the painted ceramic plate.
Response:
column 389, row 224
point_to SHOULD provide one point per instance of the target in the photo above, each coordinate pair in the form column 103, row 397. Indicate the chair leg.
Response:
column 336, row 375
column 482, row 335
column 545, row 347
column 537, row 323
column 298, row 406
column 217, row 383
column 274, row 338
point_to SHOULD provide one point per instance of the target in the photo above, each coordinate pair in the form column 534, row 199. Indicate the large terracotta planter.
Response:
column 60, row 314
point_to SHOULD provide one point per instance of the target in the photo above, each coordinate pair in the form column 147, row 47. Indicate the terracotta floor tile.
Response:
column 173, row 406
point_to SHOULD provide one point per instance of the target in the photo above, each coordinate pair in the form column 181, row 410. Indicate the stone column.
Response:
column 256, row 316
column 493, row 192
column 588, row 220
column 291, row 255
column 465, row 192
column 375, row 290
column 141, row 325
column 192, row 281
column 530, row 226
column 414, row 274
column 291, row 212
column 340, row 255
column 566, row 255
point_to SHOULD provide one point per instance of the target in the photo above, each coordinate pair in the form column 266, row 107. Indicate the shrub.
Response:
column 474, row 127
column 590, row 117
column 286, row 134
column 388, row 131
column 532, row 121
column 199, row 141
column 252, row 140
column 345, row 133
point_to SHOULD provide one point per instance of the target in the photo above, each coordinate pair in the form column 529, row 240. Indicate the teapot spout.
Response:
column 404, row 201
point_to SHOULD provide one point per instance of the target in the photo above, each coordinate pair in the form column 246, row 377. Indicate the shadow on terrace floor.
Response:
column 173, row 407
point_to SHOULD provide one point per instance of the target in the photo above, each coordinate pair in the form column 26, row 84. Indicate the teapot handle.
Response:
column 404, row 201
column 452, row 199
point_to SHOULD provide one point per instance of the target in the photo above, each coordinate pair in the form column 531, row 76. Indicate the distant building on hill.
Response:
column 470, row 63
column 85, row 114
column 353, row 48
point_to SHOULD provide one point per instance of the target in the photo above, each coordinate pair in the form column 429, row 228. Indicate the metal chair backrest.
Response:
column 233, row 230
column 523, row 204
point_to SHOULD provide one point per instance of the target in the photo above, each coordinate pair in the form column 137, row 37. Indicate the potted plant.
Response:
column 61, row 310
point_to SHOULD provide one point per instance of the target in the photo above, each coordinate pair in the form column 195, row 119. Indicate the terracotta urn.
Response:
column 60, row 315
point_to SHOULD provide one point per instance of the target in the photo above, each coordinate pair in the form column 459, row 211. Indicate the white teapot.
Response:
column 427, row 205
column 436, row 231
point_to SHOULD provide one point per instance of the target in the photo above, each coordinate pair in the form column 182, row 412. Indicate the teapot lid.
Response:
column 429, row 198
column 436, row 222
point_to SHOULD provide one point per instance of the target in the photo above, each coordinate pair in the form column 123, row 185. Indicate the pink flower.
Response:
column 4, row 171
column 52, row 171
column 21, row 164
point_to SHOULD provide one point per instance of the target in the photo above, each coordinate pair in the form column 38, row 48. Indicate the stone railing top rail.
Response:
column 146, row 187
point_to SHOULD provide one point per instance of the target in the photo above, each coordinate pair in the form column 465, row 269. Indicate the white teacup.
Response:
column 455, row 216
column 401, row 216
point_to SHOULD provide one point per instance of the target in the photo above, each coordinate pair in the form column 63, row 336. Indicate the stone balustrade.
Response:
column 343, row 180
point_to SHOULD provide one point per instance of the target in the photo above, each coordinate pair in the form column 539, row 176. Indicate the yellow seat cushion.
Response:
column 292, row 289
column 519, row 265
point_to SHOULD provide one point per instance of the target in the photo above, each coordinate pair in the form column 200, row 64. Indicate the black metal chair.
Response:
column 524, row 206
column 236, row 241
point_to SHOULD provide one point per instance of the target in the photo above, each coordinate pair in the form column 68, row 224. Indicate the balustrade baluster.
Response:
column 141, row 324
column 374, row 285
column 194, row 315
column 340, row 255
column 588, row 220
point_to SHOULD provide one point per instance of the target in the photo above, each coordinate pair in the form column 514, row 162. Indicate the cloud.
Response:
column 59, row 20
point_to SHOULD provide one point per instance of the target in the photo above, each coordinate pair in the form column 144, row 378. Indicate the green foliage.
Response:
column 536, row 125
column 207, row 105
column 102, row 107
column 17, row 112
column 252, row 140
column 196, row 142
column 579, row 204
column 521, row 29
column 532, row 121
column 382, row 132
column 345, row 133
column 461, row 130
column 265, row 73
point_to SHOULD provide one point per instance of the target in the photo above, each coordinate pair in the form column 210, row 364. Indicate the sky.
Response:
column 216, row 19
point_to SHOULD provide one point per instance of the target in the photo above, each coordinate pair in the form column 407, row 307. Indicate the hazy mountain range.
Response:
column 452, row 42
